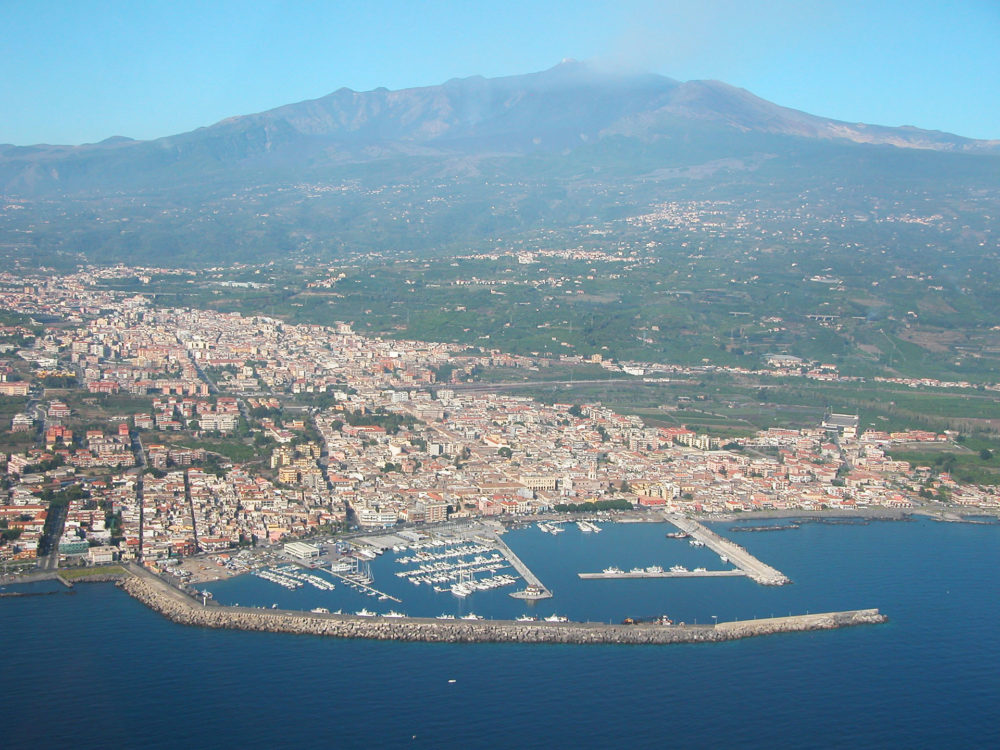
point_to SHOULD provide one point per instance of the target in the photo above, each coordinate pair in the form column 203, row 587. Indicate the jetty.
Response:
column 535, row 588
column 663, row 574
column 752, row 567
column 183, row 609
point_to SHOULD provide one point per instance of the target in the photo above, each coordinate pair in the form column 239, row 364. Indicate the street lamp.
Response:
column 715, row 620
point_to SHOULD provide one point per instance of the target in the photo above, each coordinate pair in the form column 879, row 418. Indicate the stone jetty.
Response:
column 180, row 608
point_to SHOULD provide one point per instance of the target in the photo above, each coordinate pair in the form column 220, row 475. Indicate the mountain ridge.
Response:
column 548, row 111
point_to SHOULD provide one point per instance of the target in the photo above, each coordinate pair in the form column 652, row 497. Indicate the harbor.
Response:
column 496, row 572
column 729, row 551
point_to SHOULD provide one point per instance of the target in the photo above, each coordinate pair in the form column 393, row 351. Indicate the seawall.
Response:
column 181, row 609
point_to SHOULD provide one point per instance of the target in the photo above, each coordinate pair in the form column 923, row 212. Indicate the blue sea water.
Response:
column 97, row 669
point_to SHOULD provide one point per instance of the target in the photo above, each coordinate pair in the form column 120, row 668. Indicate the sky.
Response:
column 79, row 71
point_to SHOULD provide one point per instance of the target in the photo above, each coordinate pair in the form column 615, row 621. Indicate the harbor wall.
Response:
column 181, row 609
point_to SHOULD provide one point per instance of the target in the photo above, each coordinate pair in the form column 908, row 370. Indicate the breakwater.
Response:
column 181, row 609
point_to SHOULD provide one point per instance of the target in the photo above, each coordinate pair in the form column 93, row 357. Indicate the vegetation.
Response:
column 594, row 506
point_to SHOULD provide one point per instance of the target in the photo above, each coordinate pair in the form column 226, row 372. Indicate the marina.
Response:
column 497, row 572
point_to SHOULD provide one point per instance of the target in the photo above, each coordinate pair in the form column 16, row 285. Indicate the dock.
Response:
column 752, row 567
column 664, row 574
column 535, row 588
column 363, row 587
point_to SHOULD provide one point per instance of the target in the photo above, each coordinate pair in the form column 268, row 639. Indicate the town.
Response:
column 148, row 433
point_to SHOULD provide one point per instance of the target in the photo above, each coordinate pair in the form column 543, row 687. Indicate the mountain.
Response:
column 568, row 137
column 561, row 108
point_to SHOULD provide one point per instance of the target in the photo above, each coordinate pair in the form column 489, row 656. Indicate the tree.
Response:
column 986, row 454
column 576, row 411
column 505, row 452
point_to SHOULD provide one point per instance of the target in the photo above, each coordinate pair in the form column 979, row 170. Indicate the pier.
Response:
column 182, row 609
column 750, row 565
column 535, row 588
column 664, row 574
column 363, row 587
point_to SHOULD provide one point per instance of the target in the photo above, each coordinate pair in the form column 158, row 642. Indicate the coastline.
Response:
column 180, row 608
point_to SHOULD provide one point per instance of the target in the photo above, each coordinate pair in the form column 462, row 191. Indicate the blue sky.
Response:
column 79, row 71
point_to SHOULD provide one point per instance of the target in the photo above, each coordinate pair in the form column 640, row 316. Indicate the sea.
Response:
column 96, row 669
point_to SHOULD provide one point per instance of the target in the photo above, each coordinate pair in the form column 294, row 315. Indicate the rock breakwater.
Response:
column 179, row 608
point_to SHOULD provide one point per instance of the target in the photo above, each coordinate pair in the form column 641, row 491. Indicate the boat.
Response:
column 696, row 543
column 556, row 618
column 654, row 569
column 678, row 569
column 526, row 618
column 471, row 616
column 393, row 613
column 723, row 558
column 612, row 570
column 320, row 610
column 364, row 613
column 700, row 570
column 445, row 617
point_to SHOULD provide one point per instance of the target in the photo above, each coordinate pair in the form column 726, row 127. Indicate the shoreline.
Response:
column 181, row 609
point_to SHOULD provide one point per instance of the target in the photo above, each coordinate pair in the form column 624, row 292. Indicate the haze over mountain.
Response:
column 561, row 108
column 572, row 128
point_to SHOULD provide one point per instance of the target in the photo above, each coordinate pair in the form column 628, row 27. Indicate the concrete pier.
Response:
column 750, row 565
column 664, row 574
column 535, row 588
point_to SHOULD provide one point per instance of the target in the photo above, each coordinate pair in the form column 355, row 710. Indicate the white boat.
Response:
column 446, row 617
column 723, row 558
column 612, row 570
column 393, row 613
column 556, row 618
column 526, row 618
column 364, row 613
column 654, row 569
column 471, row 616
column 678, row 569
column 696, row 543
column 320, row 610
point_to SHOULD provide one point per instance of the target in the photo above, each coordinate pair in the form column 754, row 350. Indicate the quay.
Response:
column 182, row 609
column 535, row 588
column 664, row 574
column 750, row 565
